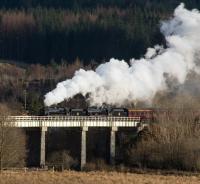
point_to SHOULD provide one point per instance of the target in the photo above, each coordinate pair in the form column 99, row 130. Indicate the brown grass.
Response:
column 71, row 177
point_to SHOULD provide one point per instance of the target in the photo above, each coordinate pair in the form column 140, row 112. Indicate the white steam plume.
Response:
column 117, row 83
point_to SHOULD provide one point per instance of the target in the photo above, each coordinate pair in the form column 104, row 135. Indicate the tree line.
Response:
column 35, row 31
column 41, row 31
column 88, row 4
column 40, row 35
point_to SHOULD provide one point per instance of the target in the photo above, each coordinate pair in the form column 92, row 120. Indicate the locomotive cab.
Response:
column 93, row 111
column 49, row 111
column 118, row 112
column 78, row 112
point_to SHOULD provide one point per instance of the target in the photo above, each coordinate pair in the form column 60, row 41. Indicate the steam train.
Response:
column 144, row 114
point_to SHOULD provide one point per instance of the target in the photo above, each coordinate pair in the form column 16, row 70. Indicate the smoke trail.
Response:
column 117, row 83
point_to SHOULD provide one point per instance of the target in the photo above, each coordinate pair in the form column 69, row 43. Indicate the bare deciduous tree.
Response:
column 12, row 142
column 171, row 143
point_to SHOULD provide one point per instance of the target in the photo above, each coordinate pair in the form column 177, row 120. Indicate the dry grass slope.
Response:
column 70, row 177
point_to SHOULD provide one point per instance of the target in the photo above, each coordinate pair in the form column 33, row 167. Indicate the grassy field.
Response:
column 70, row 177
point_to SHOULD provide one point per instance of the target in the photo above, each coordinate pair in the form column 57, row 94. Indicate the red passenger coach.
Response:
column 144, row 114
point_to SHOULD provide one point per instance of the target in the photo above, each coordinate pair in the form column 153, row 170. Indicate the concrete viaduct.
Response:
column 84, row 122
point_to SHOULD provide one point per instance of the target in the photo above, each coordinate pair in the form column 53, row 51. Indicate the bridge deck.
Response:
column 71, row 121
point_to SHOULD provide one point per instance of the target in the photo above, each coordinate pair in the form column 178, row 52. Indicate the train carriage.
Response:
column 144, row 114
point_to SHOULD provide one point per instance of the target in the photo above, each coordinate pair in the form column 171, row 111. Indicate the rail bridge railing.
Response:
column 72, row 121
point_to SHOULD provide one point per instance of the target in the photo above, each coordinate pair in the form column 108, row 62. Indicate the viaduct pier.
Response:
column 83, row 122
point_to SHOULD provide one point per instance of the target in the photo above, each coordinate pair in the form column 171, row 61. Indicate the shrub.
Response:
column 172, row 143
column 63, row 159
column 97, row 165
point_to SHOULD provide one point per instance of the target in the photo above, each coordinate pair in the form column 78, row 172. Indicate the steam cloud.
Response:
column 117, row 82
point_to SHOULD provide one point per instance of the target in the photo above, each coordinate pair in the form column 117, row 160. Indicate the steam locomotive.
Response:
column 145, row 114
